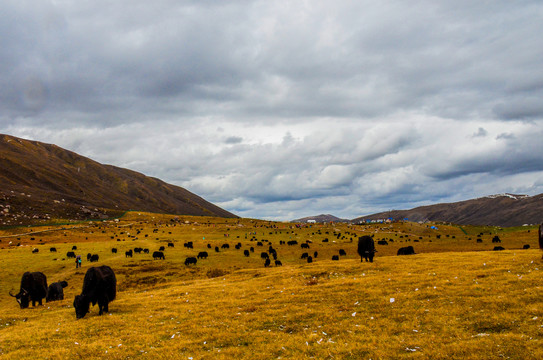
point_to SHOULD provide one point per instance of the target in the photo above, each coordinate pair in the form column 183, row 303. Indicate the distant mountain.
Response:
column 323, row 218
column 496, row 210
column 42, row 181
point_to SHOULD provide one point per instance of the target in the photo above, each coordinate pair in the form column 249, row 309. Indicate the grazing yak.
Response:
column 408, row 250
column 202, row 255
column 70, row 254
column 99, row 286
column 335, row 257
column 366, row 248
column 33, row 287
column 190, row 260
column 526, row 246
column 278, row 263
column 94, row 258
column 342, row 252
column 53, row 249
column 498, row 248
column 113, row 250
column 309, row 259
column 158, row 255
column 246, row 252
column 128, row 253
column 267, row 262
column 55, row 291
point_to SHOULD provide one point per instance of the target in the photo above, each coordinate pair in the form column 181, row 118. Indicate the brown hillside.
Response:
column 496, row 210
column 39, row 180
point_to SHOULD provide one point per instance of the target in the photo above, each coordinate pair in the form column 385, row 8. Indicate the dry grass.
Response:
column 452, row 300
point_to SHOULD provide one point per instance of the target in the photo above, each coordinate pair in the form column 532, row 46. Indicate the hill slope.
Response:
column 322, row 218
column 39, row 180
column 497, row 210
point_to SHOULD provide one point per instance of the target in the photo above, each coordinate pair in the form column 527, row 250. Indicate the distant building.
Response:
column 311, row 221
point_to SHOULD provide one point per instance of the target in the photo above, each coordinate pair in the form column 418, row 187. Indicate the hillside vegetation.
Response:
column 454, row 299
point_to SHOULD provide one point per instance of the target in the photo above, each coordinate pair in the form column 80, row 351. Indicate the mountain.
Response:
column 43, row 181
column 322, row 218
column 495, row 210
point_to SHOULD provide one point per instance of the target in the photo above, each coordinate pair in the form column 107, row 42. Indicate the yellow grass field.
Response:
column 454, row 299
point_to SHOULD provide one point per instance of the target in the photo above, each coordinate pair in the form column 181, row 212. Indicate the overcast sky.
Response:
column 285, row 109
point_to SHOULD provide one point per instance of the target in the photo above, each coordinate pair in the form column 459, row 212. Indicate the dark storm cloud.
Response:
column 354, row 106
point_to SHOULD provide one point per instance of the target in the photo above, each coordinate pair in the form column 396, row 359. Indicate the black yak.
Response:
column 366, row 248
column 408, row 250
column 55, row 291
column 99, row 286
column 202, row 255
column 33, row 287
column 158, row 255
column 190, row 260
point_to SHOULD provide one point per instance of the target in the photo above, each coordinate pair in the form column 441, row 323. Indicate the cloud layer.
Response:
column 286, row 109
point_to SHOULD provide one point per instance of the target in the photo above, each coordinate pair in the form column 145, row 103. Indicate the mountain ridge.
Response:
column 495, row 210
column 43, row 181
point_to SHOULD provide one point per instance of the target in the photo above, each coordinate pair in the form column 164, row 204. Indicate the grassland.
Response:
column 455, row 299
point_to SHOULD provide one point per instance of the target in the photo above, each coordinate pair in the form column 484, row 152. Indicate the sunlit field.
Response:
column 455, row 298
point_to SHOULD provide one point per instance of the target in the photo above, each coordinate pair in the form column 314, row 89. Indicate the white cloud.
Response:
column 286, row 109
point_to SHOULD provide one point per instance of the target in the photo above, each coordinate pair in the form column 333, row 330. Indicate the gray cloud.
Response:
column 481, row 132
column 286, row 108
column 233, row 140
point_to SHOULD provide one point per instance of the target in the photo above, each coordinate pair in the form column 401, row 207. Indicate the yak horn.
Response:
column 12, row 294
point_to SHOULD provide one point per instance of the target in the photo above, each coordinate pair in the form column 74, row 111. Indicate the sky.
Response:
column 284, row 109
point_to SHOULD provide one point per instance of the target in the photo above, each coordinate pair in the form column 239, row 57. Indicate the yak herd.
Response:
column 100, row 283
column 99, row 286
